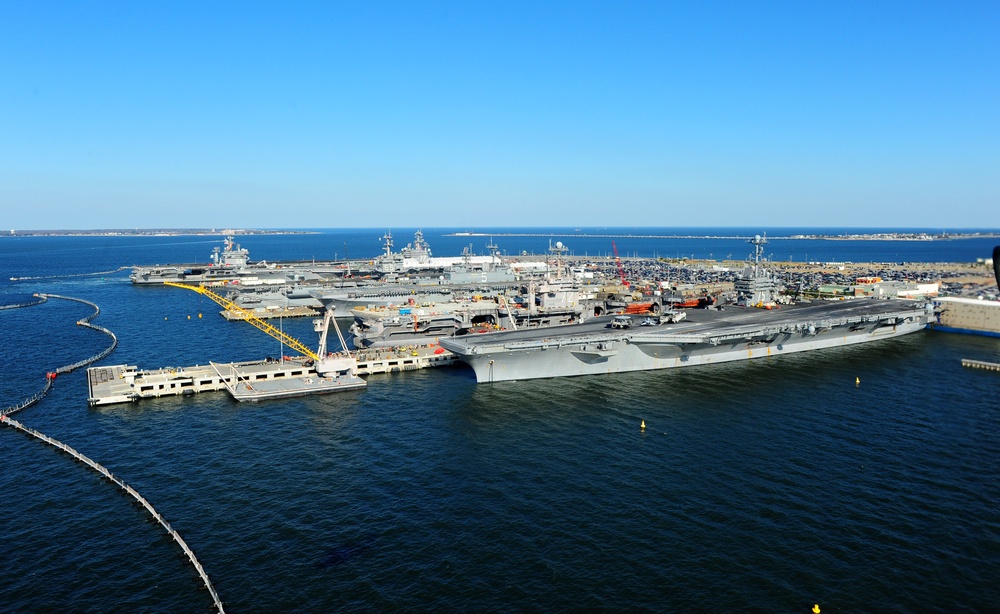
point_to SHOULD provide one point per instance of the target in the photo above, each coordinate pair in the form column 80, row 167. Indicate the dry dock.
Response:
column 125, row 383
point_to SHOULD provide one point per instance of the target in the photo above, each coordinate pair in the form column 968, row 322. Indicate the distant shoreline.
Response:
column 881, row 236
column 178, row 232
column 154, row 232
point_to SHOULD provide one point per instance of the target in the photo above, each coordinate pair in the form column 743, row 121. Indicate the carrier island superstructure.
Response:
column 754, row 327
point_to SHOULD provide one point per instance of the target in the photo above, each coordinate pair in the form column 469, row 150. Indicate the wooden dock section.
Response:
column 113, row 384
column 980, row 364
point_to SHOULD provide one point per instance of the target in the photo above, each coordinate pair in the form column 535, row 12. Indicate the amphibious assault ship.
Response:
column 754, row 326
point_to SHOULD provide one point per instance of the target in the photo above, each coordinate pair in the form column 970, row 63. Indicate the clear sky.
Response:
column 475, row 114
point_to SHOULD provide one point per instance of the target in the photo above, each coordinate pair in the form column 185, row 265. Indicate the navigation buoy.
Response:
column 189, row 317
column 164, row 317
column 857, row 381
column 643, row 425
column 815, row 608
column 199, row 316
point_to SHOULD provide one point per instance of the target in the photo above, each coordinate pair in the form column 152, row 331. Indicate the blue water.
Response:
column 761, row 486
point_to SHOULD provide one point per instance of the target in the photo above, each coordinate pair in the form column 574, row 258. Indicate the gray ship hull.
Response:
column 707, row 337
column 344, row 300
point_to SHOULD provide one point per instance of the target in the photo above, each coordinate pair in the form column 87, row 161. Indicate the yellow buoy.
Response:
column 857, row 381
column 189, row 317
column 643, row 425
column 816, row 608
column 199, row 316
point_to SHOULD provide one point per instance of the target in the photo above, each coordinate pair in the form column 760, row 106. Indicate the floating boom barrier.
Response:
column 38, row 396
column 41, row 299
column 95, row 273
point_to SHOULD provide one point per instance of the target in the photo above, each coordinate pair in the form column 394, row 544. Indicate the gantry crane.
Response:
column 324, row 362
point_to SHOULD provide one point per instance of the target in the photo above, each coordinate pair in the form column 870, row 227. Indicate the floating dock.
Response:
column 127, row 383
column 249, row 385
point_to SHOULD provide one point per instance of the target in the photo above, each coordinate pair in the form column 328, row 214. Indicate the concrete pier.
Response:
column 126, row 383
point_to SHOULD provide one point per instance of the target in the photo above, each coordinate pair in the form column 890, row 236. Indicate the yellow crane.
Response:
column 248, row 315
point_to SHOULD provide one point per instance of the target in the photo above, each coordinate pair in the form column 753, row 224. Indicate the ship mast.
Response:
column 758, row 243
column 387, row 237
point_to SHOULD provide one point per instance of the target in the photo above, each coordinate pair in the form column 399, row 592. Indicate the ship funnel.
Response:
column 996, row 264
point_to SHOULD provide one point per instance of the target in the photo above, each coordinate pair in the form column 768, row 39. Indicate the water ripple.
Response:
column 761, row 486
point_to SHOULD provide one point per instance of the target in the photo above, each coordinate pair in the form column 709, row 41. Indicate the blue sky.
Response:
column 476, row 114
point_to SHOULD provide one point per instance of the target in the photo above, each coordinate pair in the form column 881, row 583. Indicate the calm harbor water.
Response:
column 761, row 486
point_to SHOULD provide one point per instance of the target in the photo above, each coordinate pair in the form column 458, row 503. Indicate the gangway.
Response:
column 325, row 363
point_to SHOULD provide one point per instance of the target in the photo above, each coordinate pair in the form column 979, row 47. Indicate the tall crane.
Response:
column 325, row 363
column 618, row 263
column 248, row 315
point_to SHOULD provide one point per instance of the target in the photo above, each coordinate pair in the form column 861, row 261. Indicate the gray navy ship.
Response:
column 755, row 325
column 232, row 264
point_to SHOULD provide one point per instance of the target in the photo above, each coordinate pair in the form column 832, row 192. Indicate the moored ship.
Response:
column 755, row 326
column 705, row 336
column 231, row 265
column 543, row 304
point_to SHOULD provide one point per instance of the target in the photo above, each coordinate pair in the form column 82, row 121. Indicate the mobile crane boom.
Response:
column 248, row 315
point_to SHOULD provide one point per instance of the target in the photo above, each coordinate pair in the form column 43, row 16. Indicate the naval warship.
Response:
column 392, row 279
column 755, row 325
column 536, row 305
column 232, row 264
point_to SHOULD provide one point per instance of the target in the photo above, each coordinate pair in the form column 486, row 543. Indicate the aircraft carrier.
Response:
column 760, row 322
column 706, row 336
column 232, row 265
